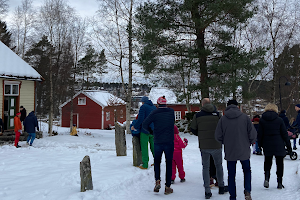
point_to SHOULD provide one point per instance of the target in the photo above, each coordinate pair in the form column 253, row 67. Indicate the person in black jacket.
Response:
column 163, row 119
column 29, row 125
column 23, row 113
column 273, row 137
column 203, row 125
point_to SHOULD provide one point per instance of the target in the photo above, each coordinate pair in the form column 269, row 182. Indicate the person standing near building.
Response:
column 203, row 125
column 146, row 137
column 163, row 119
column 17, row 129
column 236, row 131
column 23, row 113
column 29, row 125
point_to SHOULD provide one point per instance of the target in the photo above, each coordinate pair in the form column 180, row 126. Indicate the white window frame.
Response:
column 177, row 113
column 107, row 116
column 81, row 101
column 12, row 84
column 121, row 113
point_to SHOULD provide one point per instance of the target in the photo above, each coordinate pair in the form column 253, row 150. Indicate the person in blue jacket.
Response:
column 30, row 123
column 145, row 136
column 296, row 123
column 163, row 119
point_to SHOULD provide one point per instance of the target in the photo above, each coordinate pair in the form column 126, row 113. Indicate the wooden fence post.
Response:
column 137, row 153
column 86, row 174
column 120, row 140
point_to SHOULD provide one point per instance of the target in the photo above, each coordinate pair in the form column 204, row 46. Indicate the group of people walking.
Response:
column 234, row 130
column 30, row 124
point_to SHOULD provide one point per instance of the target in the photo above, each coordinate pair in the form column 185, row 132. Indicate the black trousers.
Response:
column 279, row 164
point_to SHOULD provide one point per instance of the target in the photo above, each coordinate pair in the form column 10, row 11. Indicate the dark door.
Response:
column 9, row 111
column 75, row 119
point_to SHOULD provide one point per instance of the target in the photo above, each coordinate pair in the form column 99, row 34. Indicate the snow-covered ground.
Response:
column 50, row 170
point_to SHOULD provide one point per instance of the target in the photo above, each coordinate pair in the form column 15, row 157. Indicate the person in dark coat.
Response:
column 30, row 124
column 286, row 121
column 163, row 119
column 23, row 113
column 146, row 138
column 203, row 125
column 272, row 138
column 236, row 131
column 256, row 125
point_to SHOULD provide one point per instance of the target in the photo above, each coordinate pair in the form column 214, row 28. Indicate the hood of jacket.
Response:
column 232, row 112
column 149, row 102
column 282, row 115
column 208, row 108
column 269, row 115
column 31, row 114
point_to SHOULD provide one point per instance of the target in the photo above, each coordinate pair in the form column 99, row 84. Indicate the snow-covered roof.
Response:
column 157, row 92
column 12, row 66
column 103, row 98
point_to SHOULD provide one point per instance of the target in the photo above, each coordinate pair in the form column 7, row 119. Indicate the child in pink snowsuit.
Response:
column 177, row 156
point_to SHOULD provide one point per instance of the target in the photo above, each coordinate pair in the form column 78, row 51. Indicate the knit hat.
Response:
column 162, row 100
column 144, row 99
column 18, row 113
column 232, row 101
column 298, row 105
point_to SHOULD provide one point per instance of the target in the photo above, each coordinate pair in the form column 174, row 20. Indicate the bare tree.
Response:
column 277, row 22
column 112, row 30
column 55, row 18
column 23, row 21
column 79, row 40
column 3, row 8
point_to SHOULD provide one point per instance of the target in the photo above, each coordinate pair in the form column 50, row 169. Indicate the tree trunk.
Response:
column 129, row 89
column 200, row 41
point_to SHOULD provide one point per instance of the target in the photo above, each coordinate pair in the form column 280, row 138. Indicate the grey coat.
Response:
column 237, row 133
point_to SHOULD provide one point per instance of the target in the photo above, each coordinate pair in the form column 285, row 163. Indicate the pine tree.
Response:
column 91, row 63
column 5, row 35
column 196, row 30
column 38, row 57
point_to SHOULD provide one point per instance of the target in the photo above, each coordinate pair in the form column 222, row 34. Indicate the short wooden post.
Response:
column 137, row 153
column 86, row 174
column 120, row 140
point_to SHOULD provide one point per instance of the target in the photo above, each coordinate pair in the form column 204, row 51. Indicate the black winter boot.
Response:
column 267, row 178
column 279, row 181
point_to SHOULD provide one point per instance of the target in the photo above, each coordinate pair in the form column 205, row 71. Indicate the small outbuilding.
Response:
column 18, row 86
column 93, row 109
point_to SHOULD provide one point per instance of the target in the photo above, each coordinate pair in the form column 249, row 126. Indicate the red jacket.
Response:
column 178, row 143
column 17, row 123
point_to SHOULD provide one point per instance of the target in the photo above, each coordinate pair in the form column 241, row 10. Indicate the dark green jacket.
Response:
column 204, row 124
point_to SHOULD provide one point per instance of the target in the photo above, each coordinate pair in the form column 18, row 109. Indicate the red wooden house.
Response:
column 180, row 109
column 93, row 109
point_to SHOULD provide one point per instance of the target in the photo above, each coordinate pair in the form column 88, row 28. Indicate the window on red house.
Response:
column 81, row 101
column 177, row 115
column 107, row 116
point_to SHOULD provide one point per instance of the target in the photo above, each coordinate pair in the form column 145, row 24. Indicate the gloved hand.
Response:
column 186, row 140
column 38, row 128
